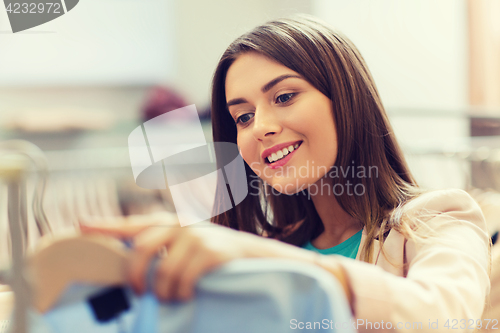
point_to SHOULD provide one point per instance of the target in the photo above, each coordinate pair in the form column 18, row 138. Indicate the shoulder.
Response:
column 443, row 201
column 451, row 210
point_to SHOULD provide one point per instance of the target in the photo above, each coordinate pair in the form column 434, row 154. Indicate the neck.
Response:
column 339, row 225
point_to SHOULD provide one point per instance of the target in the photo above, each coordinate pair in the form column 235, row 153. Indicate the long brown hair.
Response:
column 333, row 65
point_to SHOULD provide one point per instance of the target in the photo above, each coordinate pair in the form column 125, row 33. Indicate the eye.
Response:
column 244, row 118
column 282, row 99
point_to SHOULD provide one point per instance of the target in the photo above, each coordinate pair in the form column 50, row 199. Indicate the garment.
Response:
column 446, row 279
column 348, row 248
column 492, row 309
column 246, row 295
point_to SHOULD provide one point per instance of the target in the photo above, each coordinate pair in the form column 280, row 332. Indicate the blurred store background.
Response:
column 77, row 86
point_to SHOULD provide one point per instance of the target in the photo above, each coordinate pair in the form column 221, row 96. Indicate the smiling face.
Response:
column 276, row 110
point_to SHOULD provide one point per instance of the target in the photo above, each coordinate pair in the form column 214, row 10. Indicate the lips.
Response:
column 278, row 147
column 284, row 160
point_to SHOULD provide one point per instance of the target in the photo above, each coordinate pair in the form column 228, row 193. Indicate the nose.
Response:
column 266, row 123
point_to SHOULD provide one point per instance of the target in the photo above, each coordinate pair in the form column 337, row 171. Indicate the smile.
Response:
column 281, row 157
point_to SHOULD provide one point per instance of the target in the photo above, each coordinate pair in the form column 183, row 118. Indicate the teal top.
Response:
column 348, row 248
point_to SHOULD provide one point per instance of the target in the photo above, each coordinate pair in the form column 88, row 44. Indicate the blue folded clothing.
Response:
column 246, row 295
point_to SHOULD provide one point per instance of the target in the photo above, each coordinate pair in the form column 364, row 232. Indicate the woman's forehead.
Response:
column 252, row 70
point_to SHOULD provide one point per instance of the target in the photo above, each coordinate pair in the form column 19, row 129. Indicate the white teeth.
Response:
column 281, row 153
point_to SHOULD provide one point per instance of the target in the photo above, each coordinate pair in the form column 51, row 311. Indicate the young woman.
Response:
column 325, row 175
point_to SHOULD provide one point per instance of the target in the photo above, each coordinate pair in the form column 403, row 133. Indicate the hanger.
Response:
column 58, row 263
column 93, row 259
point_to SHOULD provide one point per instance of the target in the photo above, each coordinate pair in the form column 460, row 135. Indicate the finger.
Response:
column 192, row 274
column 155, row 218
column 121, row 227
column 146, row 245
column 116, row 230
column 172, row 267
column 92, row 221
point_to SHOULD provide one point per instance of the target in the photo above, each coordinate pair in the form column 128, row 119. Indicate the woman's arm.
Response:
column 447, row 280
column 193, row 251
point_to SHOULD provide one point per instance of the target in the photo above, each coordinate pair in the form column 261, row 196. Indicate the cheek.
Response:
column 247, row 150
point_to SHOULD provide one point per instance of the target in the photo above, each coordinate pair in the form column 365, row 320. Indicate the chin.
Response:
column 288, row 188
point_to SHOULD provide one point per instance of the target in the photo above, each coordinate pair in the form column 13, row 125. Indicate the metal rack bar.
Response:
column 12, row 171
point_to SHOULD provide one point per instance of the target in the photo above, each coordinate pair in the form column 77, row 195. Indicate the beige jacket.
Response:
column 446, row 279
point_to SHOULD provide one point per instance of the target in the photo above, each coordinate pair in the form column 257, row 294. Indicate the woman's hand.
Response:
column 192, row 251
column 195, row 250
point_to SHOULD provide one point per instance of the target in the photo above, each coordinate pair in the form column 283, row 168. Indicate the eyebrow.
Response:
column 265, row 88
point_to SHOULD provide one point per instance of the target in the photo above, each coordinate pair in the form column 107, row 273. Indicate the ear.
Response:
column 88, row 259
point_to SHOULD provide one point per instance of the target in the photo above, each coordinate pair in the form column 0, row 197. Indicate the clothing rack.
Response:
column 13, row 171
column 17, row 159
column 478, row 158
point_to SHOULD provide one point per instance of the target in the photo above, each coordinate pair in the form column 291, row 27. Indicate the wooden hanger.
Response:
column 57, row 263
column 95, row 259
